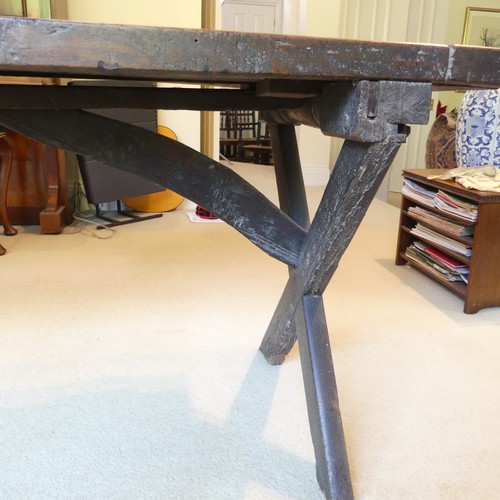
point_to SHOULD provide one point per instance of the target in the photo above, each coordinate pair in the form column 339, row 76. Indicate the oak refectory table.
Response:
column 364, row 92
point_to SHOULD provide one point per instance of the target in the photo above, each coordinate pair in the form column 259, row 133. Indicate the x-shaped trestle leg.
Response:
column 300, row 313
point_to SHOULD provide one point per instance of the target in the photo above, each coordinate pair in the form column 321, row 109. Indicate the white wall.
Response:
column 322, row 20
column 143, row 12
column 184, row 14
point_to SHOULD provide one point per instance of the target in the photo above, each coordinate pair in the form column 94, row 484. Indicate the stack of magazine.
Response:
column 416, row 192
column 456, row 206
column 439, row 222
column 437, row 263
column 443, row 201
column 429, row 234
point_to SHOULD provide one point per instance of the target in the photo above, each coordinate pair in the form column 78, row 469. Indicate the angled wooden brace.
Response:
column 170, row 164
column 372, row 117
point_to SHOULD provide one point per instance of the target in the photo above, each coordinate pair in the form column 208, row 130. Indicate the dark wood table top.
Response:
column 50, row 48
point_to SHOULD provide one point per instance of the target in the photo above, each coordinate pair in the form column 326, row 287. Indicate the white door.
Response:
column 405, row 20
column 256, row 17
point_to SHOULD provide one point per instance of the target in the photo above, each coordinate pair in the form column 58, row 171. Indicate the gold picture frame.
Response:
column 482, row 27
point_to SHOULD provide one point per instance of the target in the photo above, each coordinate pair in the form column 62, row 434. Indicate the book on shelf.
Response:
column 445, row 202
column 418, row 252
column 456, row 206
column 427, row 233
column 441, row 222
column 418, row 193
column 441, row 258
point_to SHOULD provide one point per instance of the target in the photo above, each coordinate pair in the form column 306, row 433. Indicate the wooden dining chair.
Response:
column 237, row 129
column 260, row 150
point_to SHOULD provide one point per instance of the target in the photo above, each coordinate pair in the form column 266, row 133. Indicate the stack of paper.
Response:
column 418, row 193
column 428, row 234
column 436, row 262
column 439, row 222
column 456, row 206
column 441, row 200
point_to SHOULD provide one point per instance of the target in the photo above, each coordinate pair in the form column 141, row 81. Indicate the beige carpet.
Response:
column 129, row 369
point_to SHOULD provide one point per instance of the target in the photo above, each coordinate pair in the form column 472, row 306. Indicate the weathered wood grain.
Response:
column 292, row 196
column 171, row 164
column 352, row 185
column 52, row 48
column 288, row 171
column 355, row 179
column 323, row 407
column 362, row 111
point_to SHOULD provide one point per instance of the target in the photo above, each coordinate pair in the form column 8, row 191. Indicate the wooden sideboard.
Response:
column 33, row 184
column 37, row 190
column 483, row 285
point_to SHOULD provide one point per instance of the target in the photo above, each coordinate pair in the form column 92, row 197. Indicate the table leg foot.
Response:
column 51, row 221
column 332, row 467
column 281, row 334
column 9, row 230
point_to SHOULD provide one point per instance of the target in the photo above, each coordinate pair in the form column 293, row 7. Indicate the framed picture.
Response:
column 482, row 27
